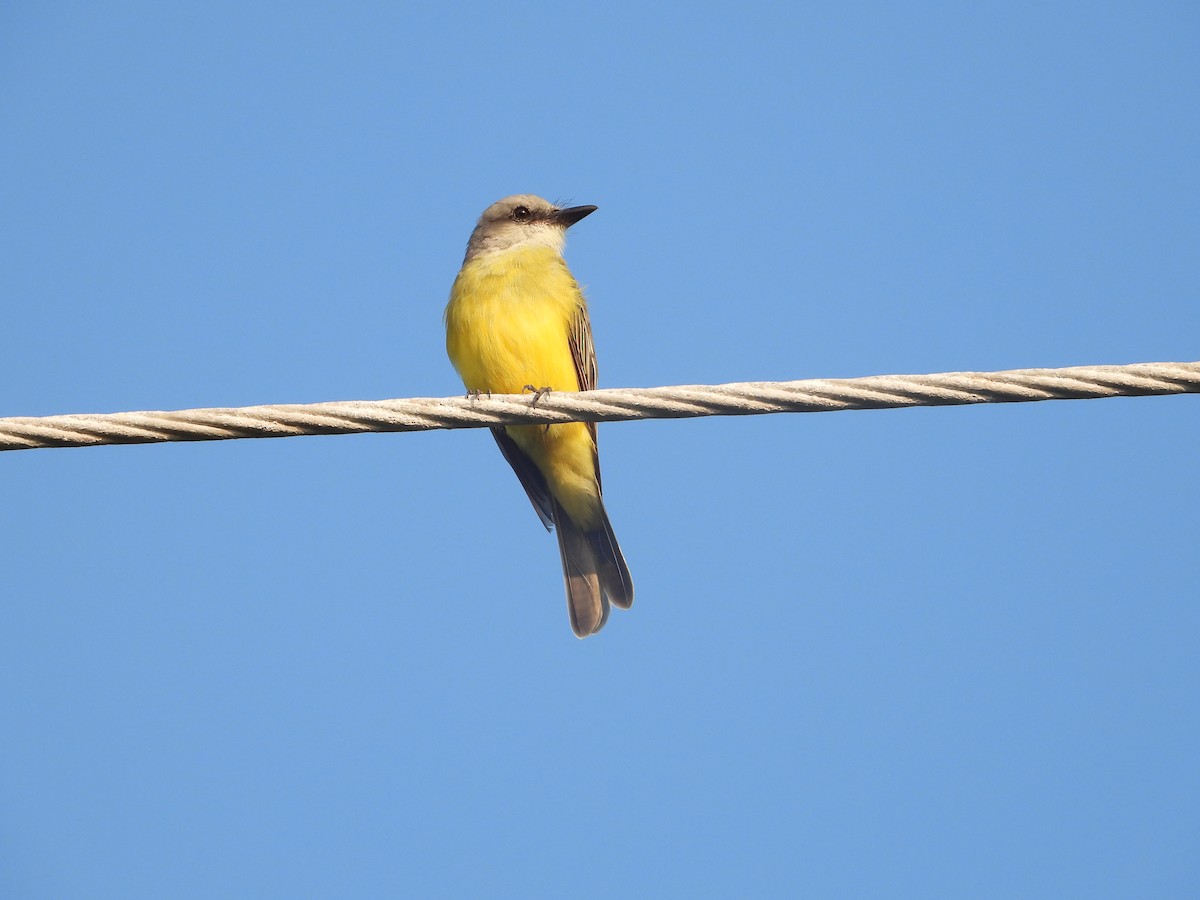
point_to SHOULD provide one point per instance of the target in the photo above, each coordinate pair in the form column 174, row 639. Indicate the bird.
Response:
column 517, row 321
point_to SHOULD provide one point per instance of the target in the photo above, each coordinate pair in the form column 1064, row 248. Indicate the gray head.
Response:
column 521, row 220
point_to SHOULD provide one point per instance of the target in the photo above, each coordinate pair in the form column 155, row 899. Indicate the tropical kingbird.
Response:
column 518, row 321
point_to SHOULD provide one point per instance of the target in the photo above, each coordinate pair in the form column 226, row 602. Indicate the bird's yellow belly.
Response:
column 508, row 327
column 503, row 351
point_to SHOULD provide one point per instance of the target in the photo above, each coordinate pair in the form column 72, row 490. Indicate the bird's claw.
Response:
column 538, row 393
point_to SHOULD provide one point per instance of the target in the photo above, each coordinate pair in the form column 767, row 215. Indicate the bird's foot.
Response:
column 475, row 393
column 538, row 393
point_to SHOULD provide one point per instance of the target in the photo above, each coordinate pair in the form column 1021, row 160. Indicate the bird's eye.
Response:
column 521, row 214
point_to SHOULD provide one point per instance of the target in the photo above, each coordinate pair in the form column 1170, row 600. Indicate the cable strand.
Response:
column 609, row 405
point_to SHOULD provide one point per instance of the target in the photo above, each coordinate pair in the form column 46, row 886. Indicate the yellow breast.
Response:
column 508, row 321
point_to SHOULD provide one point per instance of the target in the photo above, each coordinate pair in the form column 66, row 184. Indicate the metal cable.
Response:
column 611, row 405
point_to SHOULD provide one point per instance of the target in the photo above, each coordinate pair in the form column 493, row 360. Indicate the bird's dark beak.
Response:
column 571, row 215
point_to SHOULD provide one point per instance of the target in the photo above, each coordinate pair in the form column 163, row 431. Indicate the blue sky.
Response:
column 937, row 652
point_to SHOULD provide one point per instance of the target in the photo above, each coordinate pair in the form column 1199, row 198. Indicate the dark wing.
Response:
column 584, row 355
column 529, row 475
column 582, row 351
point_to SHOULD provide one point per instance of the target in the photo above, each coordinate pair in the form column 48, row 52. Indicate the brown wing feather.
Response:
column 583, row 352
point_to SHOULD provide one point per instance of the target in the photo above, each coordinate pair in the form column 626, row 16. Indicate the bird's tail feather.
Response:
column 594, row 571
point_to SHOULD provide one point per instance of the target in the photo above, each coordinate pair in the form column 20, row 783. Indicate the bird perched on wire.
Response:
column 517, row 321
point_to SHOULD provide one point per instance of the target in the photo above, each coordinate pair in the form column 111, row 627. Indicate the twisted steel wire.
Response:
column 610, row 405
